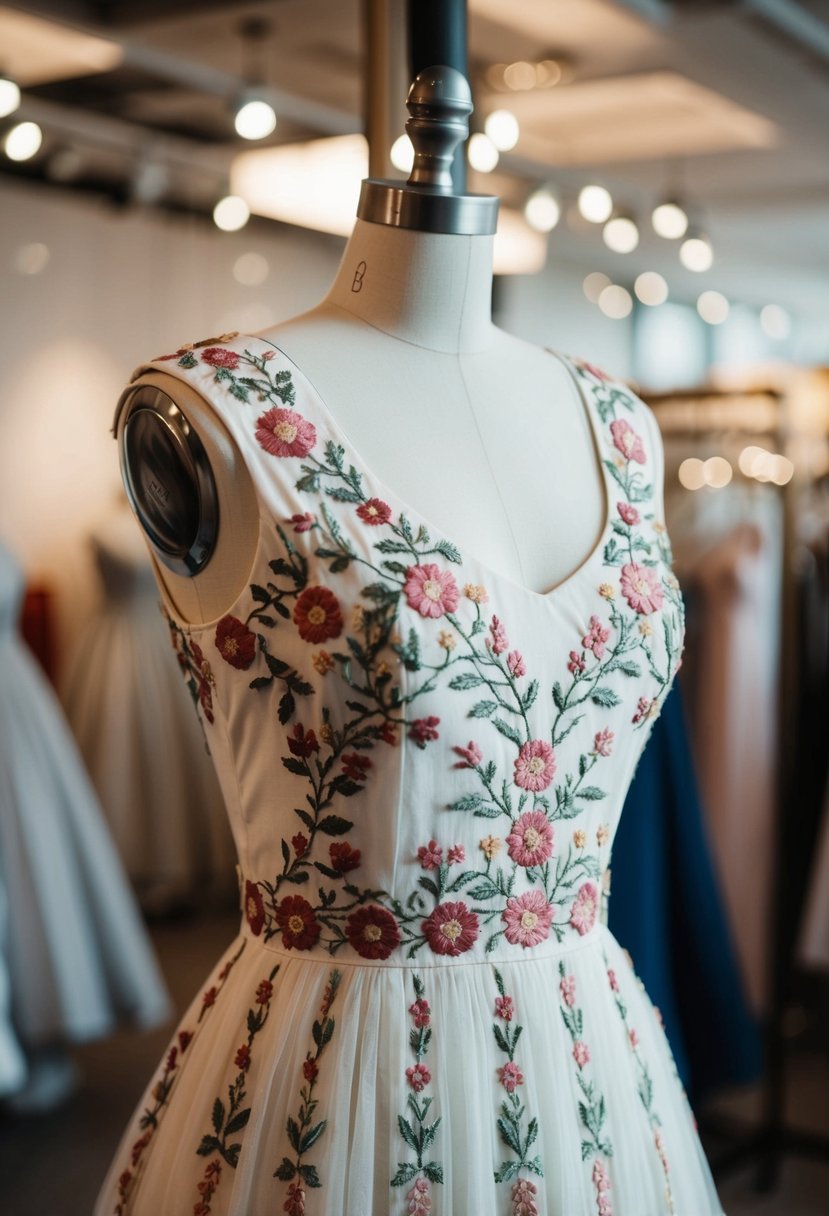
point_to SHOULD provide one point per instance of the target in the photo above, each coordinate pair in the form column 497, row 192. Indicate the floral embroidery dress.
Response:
column 424, row 764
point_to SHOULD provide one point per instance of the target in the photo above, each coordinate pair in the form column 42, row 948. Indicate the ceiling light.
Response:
column 542, row 210
column 775, row 322
column 595, row 204
column 594, row 284
column 517, row 249
column 231, row 213
column 615, row 302
column 717, row 472
column 31, row 259
column 502, row 128
column 402, row 154
column 651, row 288
column 520, row 76
column 482, row 153
column 669, row 221
column 713, row 307
column 695, row 253
column 9, row 96
column 691, row 473
column 621, row 234
column 255, row 119
column 250, row 269
column 23, row 141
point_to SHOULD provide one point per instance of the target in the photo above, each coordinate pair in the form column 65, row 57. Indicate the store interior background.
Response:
column 110, row 255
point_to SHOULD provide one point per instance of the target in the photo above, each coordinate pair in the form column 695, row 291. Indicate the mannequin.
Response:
column 403, row 351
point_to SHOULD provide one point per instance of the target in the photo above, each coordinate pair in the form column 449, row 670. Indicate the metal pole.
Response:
column 385, row 82
column 437, row 35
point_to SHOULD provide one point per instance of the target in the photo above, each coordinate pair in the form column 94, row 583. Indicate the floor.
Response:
column 52, row 1165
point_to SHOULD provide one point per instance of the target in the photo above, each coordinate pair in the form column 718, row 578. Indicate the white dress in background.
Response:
column 141, row 742
column 78, row 954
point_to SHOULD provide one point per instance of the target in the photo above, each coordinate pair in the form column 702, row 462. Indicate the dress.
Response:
column 139, row 738
column 424, row 763
column 78, row 955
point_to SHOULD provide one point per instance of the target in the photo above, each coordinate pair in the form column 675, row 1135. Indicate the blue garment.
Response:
column 666, row 909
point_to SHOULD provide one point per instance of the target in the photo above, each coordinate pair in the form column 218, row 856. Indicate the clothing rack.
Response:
column 749, row 416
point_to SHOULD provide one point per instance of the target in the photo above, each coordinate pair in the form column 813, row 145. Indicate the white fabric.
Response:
column 307, row 1049
column 78, row 954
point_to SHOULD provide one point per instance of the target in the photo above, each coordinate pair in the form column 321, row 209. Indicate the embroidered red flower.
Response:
column 421, row 730
column 430, row 855
column 531, row 840
column 451, row 929
column 355, row 766
column 510, row 1076
column 300, row 927
column 242, row 1058
column 235, row 642
column 430, row 590
column 387, row 733
column 302, row 742
column 294, row 1205
column 300, row 844
column 527, row 918
column 310, row 1069
column 302, row 522
column 372, row 931
column 627, row 441
column 418, row 1076
column 614, row 983
column 317, row 615
column 285, row 433
column 264, row 992
column 218, row 356
column 581, row 1053
column 471, row 755
column 535, row 765
column 254, row 908
column 641, row 588
column 343, row 857
column 456, row 854
column 628, row 513
column 421, row 1013
column 185, row 1038
column 585, row 908
column 172, row 1059
column 568, row 990
column 374, row 512
column 504, row 1008
column 209, row 997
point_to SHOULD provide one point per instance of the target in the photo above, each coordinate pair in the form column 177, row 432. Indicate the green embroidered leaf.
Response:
column 287, row 705
column 535, row 1166
column 530, row 694
column 294, row 765
column 406, row 1171
column 500, row 1039
column 629, row 668
column 586, row 1149
column 468, row 679
column 394, row 567
column 293, row 1133
column 507, row 1170
column 532, row 1133
column 483, row 709
column 218, row 1115
column 305, row 817
column 449, row 551
column 237, row 1122
column 297, row 876
column 622, row 529
column 275, row 666
column 334, row 454
column 309, row 1174
column 342, row 494
column 285, row 1170
column 433, row 1171
column 605, row 697
column 507, row 730
column 429, row 1134
column 469, row 802
column 509, row 1134
column 241, row 394
column 492, row 943
column 558, row 696
column 583, row 764
column 261, row 682
column 312, row 1136
column 209, row 1144
column 391, row 546
column 592, row 793
column 407, row 1132
column 486, row 889
column 309, row 483
column 188, row 360
column 334, row 825
column 427, row 885
column 327, row 871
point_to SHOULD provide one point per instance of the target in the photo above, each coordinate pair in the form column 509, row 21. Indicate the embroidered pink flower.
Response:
column 430, row 590
column 430, row 855
column 576, row 663
column 497, row 641
column 643, row 709
column 614, row 983
column 418, row 1076
column 627, row 441
column 285, row 433
column 510, row 1076
column 254, row 908
column 217, row 356
column 516, row 664
column 592, row 369
column 523, row 1203
column 603, row 742
column 628, row 513
column 527, row 918
column 456, row 854
column 471, row 755
column 374, row 512
column 242, row 1058
column 584, row 909
column 302, row 522
column 343, row 857
column 451, row 929
column 372, row 931
column 634, row 1037
column 235, row 642
column 317, row 615
column 419, row 1199
column 421, row 730
column 531, row 840
column 641, row 588
column 602, row 1185
column 421, row 1013
column 535, row 765
column 568, row 990
column 504, row 1008
column 596, row 637
column 581, row 1053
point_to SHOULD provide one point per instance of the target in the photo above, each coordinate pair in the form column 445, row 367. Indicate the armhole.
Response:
column 201, row 594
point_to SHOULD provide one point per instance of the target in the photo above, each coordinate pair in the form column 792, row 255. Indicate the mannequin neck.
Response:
column 429, row 289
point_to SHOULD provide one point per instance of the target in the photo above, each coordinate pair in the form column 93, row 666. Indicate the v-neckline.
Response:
column 390, row 496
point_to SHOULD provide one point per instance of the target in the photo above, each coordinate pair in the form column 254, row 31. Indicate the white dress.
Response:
column 424, row 763
column 79, row 958
column 141, row 743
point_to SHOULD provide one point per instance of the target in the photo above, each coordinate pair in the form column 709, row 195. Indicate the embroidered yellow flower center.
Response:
column 250, row 908
column 316, row 614
column 229, row 647
column 529, row 919
column 642, row 586
column 452, row 929
column 372, row 933
column 286, row 431
column 532, row 838
column 432, row 589
column 296, row 924
column 536, row 765
column 372, row 510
